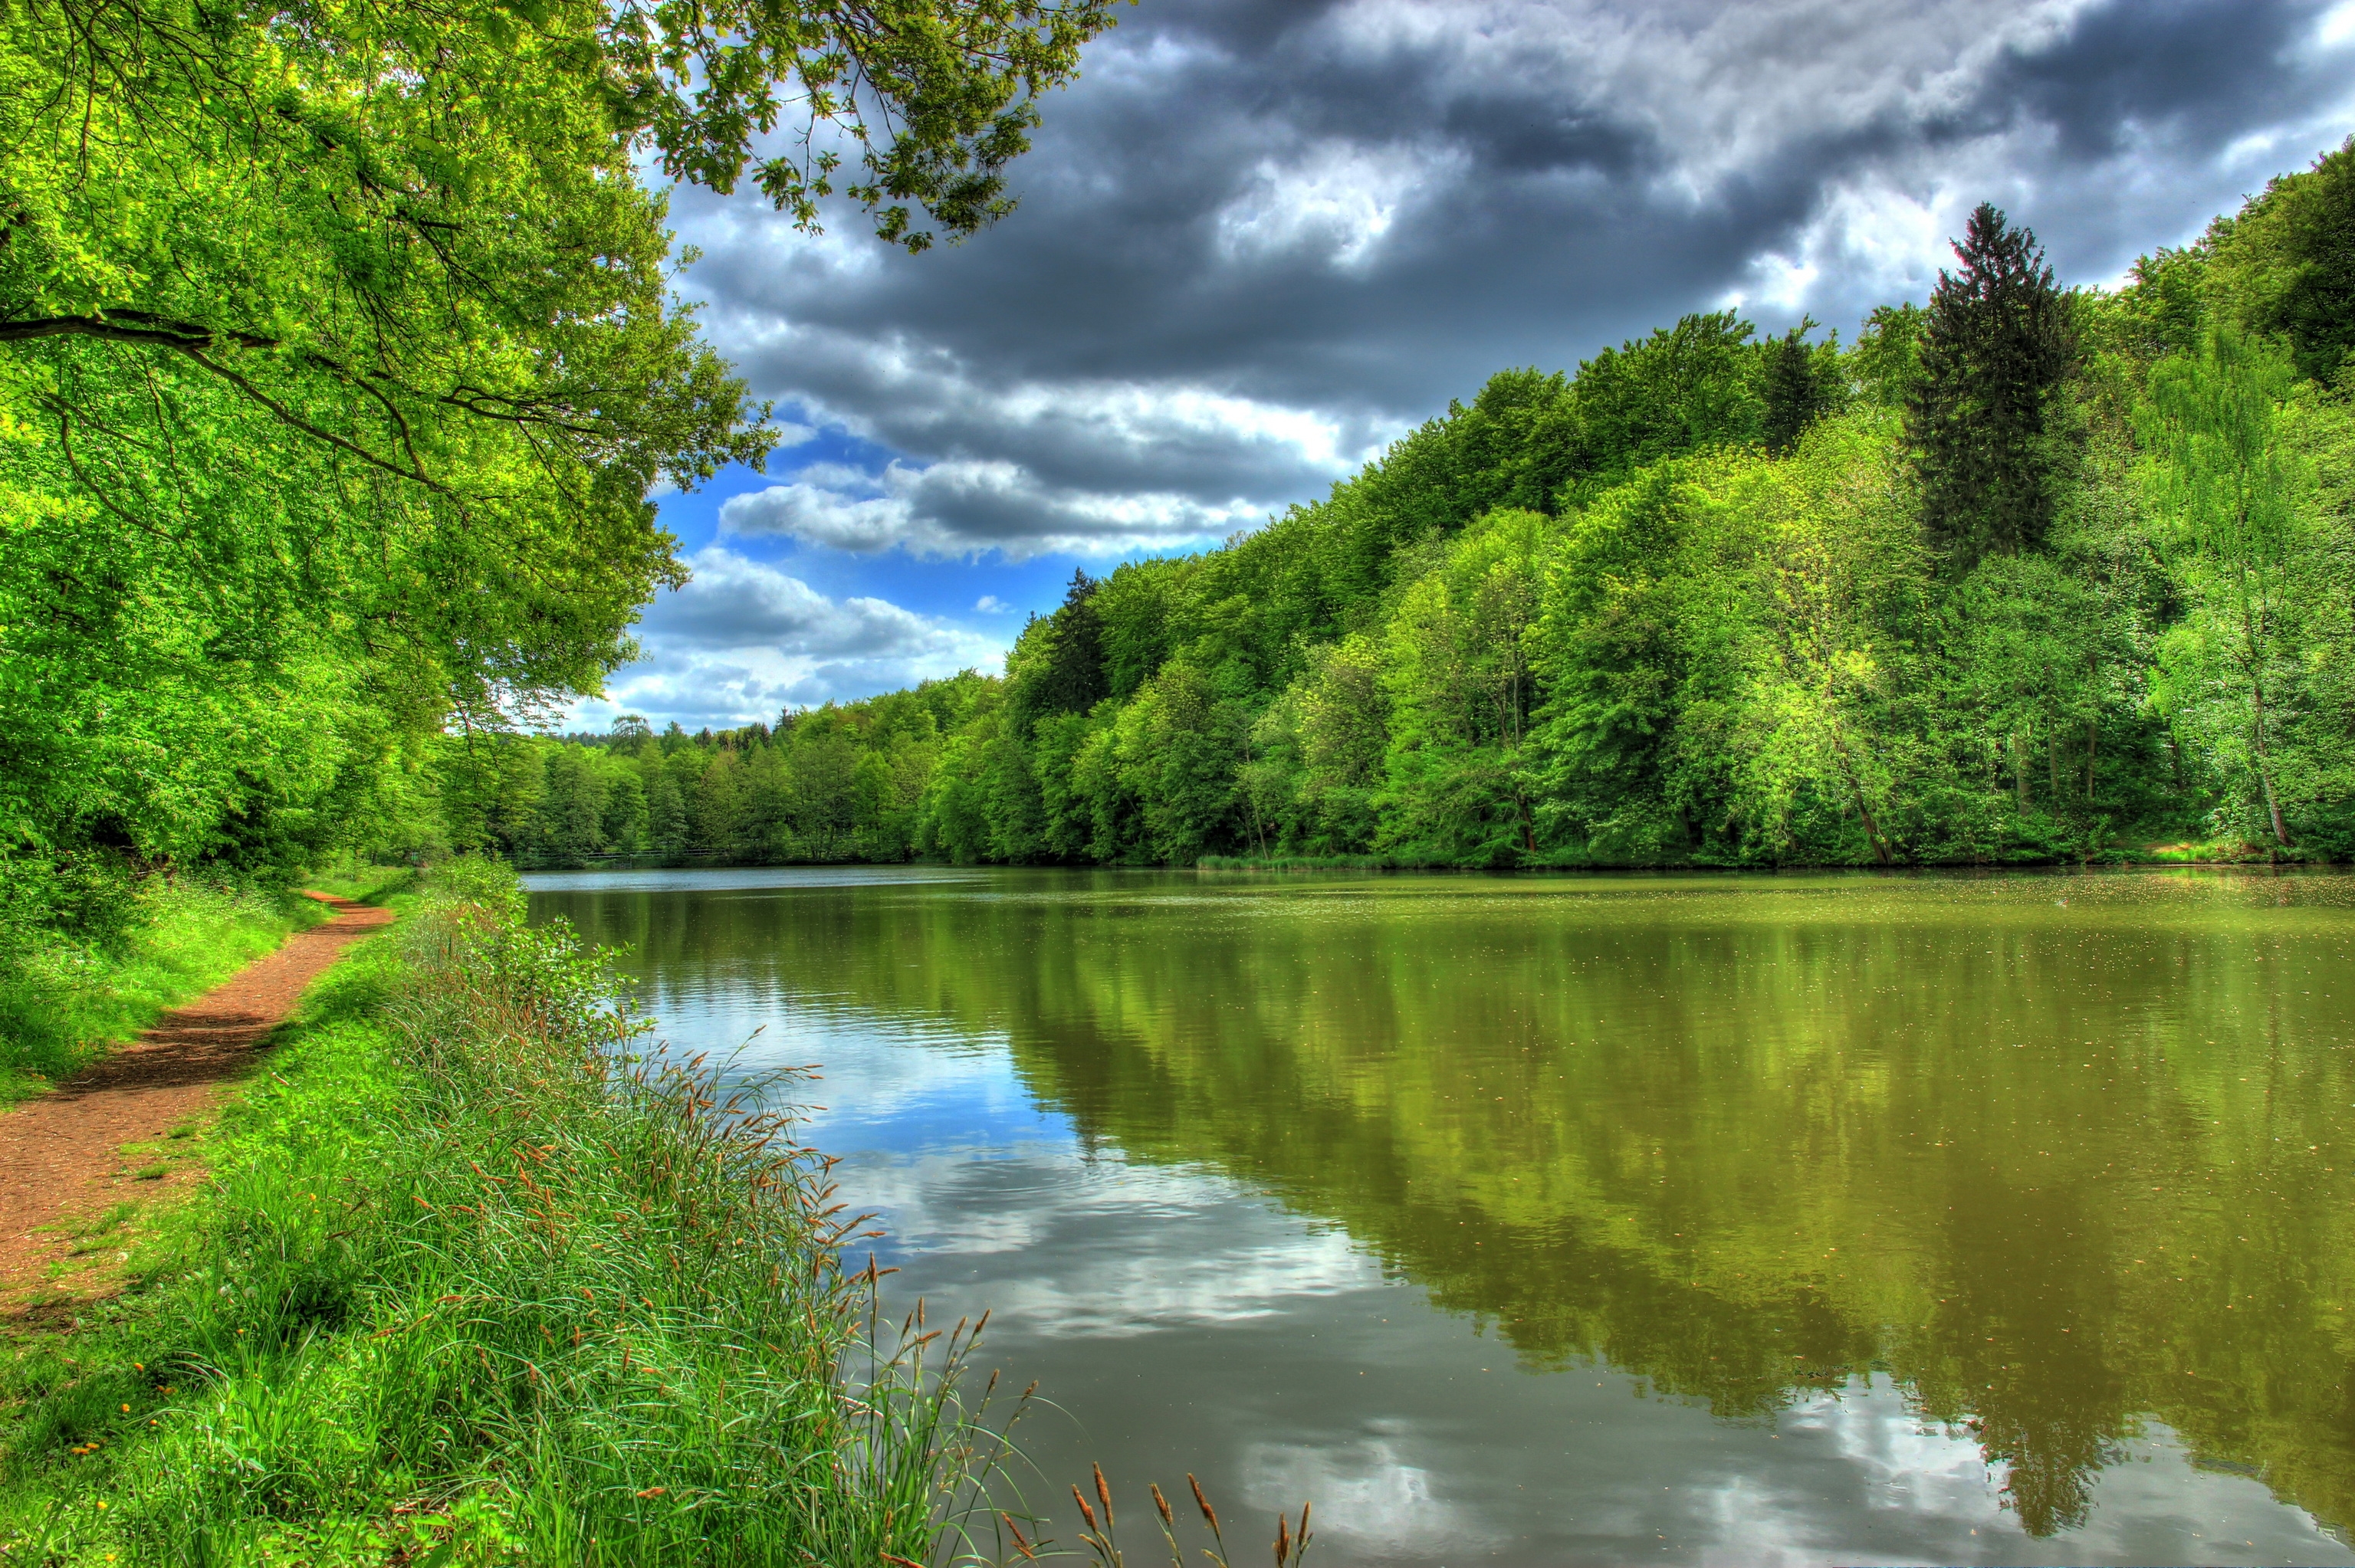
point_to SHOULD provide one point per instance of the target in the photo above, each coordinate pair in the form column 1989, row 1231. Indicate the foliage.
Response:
column 1995, row 345
column 2235, row 498
column 338, row 358
column 2286, row 265
column 2009, row 577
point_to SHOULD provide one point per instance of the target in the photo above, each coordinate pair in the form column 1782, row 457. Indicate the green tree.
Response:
column 1456, row 669
column 338, row 357
column 1800, row 386
column 2234, row 493
column 1995, row 348
column 2286, row 265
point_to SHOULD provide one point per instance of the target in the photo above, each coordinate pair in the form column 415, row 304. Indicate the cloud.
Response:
column 990, row 604
column 963, row 506
column 744, row 639
column 1335, row 202
column 1259, row 239
column 736, row 603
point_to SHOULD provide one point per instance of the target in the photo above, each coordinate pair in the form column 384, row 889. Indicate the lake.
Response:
column 1563, row 1219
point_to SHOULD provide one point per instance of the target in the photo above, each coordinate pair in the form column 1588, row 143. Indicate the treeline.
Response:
column 2025, row 573
column 839, row 783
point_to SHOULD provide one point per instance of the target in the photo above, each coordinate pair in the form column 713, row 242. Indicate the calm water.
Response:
column 1542, row 1221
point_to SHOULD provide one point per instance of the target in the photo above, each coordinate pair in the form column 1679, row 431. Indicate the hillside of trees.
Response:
column 2026, row 573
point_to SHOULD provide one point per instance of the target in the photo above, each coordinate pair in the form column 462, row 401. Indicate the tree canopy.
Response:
column 338, row 357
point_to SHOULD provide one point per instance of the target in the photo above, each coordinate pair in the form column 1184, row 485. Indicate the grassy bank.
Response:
column 474, row 1283
column 64, row 1002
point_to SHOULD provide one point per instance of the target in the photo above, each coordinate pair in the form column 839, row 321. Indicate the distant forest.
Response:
column 2026, row 574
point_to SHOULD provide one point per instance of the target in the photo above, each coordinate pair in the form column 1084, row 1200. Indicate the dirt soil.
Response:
column 72, row 1157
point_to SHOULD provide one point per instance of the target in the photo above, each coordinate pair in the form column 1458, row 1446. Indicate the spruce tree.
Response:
column 1074, row 679
column 1795, row 395
column 1995, row 351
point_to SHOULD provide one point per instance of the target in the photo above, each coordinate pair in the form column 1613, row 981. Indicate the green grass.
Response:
column 362, row 883
column 62, row 1004
column 474, row 1283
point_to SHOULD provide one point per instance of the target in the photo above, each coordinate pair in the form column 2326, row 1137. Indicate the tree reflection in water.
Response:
column 2056, row 1169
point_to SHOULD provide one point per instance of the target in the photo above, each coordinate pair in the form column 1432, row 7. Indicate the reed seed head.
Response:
column 1202, row 1502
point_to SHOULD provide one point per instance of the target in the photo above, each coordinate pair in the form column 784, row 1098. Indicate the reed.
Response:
column 1100, row 1535
column 484, row 1278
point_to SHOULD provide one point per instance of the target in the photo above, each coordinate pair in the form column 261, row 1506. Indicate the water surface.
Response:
column 1682, row 1219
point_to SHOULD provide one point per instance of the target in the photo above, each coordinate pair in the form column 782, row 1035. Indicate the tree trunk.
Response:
column 2266, row 764
column 2019, row 771
column 1863, row 810
column 2093, row 745
column 2254, row 632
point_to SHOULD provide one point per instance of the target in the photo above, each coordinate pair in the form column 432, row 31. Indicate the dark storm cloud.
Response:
column 1257, row 239
column 2198, row 72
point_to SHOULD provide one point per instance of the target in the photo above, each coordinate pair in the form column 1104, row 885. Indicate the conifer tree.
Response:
column 1995, row 350
column 1074, row 678
column 1795, row 395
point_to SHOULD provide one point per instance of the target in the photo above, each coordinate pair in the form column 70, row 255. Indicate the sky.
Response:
column 1260, row 239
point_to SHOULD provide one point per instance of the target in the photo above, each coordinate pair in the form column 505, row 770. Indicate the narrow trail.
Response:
column 62, row 1155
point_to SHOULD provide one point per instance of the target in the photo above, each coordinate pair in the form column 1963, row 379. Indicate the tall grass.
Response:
column 63, row 1002
column 478, row 1281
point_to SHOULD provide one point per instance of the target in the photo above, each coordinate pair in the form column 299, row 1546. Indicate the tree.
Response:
column 1797, row 390
column 1457, row 673
column 1995, row 350
column 1072, row 680
column 338, row 357
column 2286, row 265
column 2233, row 489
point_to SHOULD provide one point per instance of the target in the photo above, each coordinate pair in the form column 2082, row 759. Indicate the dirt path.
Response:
column 62, row 1156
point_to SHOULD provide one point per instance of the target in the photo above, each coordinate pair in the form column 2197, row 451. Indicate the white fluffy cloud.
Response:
column 743, row 640
column 961, row 506
column 1334, row 201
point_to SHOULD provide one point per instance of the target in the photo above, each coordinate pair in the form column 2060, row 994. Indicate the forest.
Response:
column 2025, row 574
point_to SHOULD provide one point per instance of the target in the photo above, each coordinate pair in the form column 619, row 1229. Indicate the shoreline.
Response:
column 473, row 1276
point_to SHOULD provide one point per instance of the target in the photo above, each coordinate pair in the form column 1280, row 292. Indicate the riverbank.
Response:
column 90, row 1164
column 66, row 1003
column 472, row 1281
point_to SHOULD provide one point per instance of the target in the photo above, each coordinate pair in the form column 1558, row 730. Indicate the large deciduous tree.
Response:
column 337, row 355
column 2235, row 490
